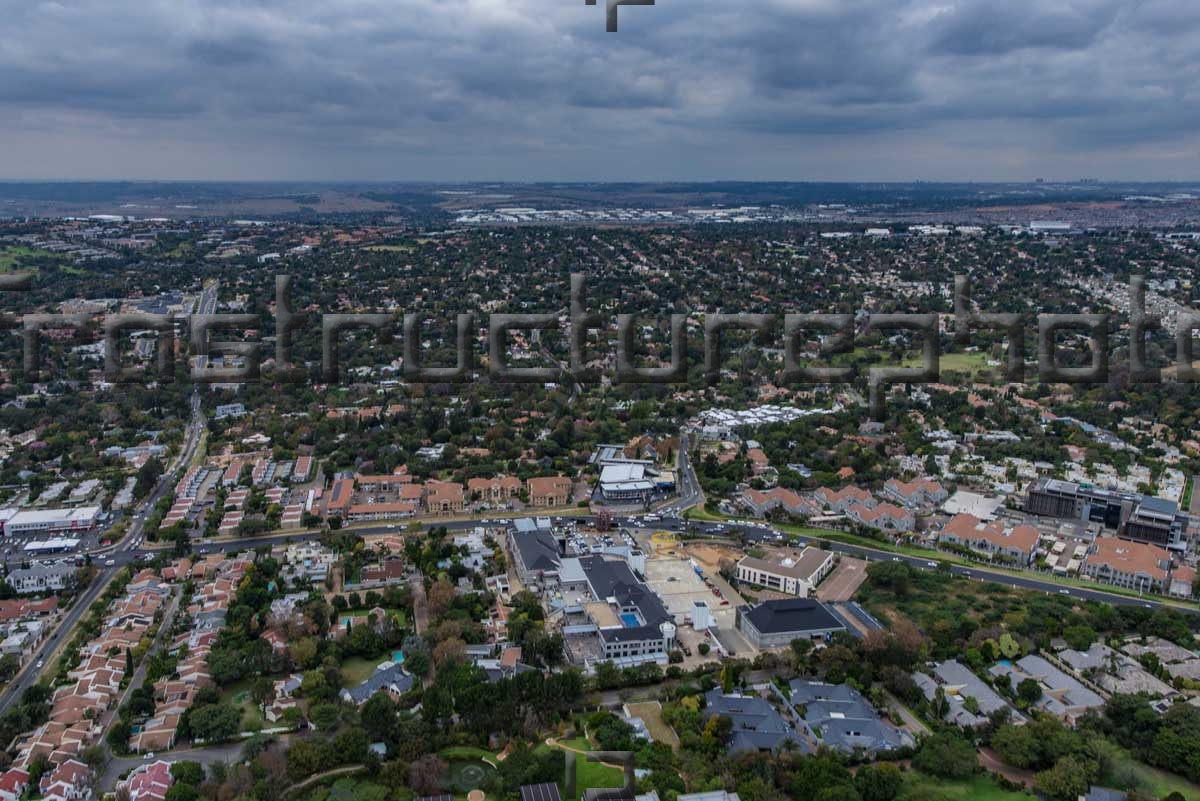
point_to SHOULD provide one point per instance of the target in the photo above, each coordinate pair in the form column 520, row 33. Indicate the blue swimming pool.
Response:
column 398, row 657
column 630, row 620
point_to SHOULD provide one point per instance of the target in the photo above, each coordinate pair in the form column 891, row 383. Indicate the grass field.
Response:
column 979, row 788
column 12, row 257
column 954, row 362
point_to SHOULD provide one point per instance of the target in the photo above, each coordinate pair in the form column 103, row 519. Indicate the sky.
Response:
column 537, row 90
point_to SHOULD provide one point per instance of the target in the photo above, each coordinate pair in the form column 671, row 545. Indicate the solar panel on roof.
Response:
column 540, row 792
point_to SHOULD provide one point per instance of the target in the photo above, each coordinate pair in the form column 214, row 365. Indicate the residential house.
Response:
column 389, row 677
column 1062, row 695
column 764, row 503
column 757, row 725
column 958, row 683
column 837, row 716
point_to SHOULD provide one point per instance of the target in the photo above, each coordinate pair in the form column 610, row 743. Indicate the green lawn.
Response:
column 978, row 788
column 238, row 694
column 1130, row 774
column 356, row 670
column 592, row 774
column 466, row 752
column 398, row 613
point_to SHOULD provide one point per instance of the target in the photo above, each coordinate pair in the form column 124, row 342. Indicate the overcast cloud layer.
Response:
column 537, row 90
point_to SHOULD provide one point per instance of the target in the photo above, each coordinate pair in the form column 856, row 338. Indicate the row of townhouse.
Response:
column 71, row 780
column 77, row 708
column 762, row 503
column 894, row 511
column 206, row 616
column 373, row 498
column 920, row 493
column 882, row 517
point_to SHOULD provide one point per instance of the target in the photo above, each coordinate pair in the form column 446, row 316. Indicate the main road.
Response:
column 109, row 561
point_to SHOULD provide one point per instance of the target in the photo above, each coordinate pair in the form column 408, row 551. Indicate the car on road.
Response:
column 896, row 559
column 41, row 663
column 931, row 564
column 110, row 562
column 149, row 755
column 1064, row 592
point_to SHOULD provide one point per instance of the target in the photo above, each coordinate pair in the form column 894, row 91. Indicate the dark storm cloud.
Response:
column 536, row 89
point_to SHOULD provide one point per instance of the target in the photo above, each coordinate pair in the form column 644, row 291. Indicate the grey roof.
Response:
column 1104, row 794
column 1068, row 693
column 757, row 726
column 839, row 717
column 538, row 548
column 613, row 579
column 959, row 683
column 790, row 615
column 389, row 676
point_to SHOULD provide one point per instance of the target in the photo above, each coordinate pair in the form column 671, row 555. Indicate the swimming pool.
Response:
column 398, row 657
column 630, row 620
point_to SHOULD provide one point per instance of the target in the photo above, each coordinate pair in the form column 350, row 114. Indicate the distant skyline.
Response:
column 536, row 90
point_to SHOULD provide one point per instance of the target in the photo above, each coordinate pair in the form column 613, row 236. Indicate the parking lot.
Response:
column 677, row 584
column 844, row 581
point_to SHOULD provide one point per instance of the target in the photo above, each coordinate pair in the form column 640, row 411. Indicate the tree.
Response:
column 1017, row 746
column 946, row 754
column 1069, row 779
column 378, row 717
column 427, row 775
column 188, row 772
column 881, row 782
column 1029, row 690
column 325, row 716
column 441, row 597
column 181, row 791
column 417, row 663
column 215, row 722
column 1079, row 637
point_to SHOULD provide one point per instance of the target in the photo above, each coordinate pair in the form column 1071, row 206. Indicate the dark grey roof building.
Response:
column 774, row 624
column 389, row 678
column 757, row 726
column 838, row 717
